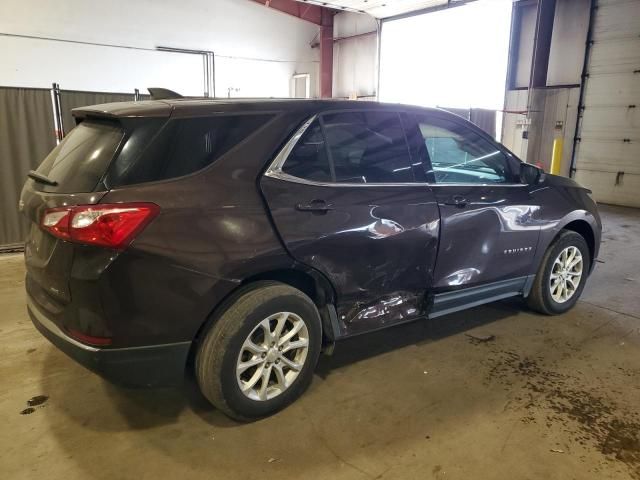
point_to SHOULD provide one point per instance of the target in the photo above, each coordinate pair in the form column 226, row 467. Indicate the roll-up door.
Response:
column 608, row 151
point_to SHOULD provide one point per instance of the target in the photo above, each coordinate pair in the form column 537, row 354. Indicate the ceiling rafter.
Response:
column 380, row 8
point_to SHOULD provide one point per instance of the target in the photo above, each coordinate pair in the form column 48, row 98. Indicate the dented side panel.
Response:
column 493, row 237
column 377, row 245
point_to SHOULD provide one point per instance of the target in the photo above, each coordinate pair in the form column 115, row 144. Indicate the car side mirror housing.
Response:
column 530, row 174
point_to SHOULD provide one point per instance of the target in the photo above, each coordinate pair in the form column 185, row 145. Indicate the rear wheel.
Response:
column 260, row 354
column 562, row 275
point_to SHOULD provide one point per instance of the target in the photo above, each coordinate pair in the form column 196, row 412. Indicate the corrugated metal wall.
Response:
column 483, row 118
column 608, row 153
column 535, row 118
column 553, row 116
column 27, row 135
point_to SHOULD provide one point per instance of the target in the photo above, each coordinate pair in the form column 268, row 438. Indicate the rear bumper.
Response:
column 154, row 365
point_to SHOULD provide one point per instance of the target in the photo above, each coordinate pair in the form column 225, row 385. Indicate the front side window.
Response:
column 460, row 155
column 352, row 147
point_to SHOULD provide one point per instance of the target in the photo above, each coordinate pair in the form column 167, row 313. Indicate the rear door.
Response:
column 344, row 199
column 489, row 220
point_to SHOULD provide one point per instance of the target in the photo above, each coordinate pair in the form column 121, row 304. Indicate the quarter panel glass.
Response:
column 367, row 147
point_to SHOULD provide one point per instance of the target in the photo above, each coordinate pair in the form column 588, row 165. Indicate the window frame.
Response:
column 275, row 169
column 409, row 122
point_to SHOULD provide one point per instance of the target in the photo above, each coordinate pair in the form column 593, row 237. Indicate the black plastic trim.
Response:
column 449, row 302
column 146, row 366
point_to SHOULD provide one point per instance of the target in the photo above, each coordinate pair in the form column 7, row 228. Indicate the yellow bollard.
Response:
column 556, row 156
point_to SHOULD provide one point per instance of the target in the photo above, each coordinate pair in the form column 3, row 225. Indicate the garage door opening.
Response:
column 454, row 58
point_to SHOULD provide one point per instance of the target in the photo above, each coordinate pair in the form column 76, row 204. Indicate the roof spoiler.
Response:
column 163, row 94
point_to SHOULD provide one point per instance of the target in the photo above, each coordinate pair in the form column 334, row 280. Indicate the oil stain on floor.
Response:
column 592, row 418
column 37, row 401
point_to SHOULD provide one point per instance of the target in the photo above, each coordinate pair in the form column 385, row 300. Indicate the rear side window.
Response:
column 352, row 147
column 368, row 147
column 309, row 159
column 78, row 163
column 183, row 146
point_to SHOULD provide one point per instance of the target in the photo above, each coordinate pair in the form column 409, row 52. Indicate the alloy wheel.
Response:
column 272, row 356
column 566, row 274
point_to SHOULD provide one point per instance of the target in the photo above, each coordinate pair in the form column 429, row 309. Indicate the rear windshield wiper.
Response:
column 41, row 178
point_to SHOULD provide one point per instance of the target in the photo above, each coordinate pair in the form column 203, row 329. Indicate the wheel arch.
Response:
column 312, row 283
column 584, row 229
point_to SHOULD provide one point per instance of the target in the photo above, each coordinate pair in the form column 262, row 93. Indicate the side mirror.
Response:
column 530, row 174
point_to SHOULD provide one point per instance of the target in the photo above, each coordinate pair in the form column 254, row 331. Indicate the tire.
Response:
column 225, row 344
column 542, row 297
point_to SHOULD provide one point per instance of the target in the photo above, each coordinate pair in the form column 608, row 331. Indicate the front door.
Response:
column 489, row 228
column 345, row 203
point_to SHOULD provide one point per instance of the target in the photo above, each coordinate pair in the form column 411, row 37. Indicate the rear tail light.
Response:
column 105, row 225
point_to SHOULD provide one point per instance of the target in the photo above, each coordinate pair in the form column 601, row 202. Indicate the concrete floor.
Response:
column 547, row 398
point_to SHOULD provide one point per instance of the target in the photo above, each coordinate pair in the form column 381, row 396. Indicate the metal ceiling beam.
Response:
column 423, row 11
column 542, row 42
column 310, row 13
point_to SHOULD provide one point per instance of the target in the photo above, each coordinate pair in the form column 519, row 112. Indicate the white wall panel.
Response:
column 39, row 63
column 566, row 55
column 355, row 73
column 608, row 154
column 355, row 60
column 513, row 123
column 525, row 46
column 242, row 33
column 605, row 155
column 605, row 190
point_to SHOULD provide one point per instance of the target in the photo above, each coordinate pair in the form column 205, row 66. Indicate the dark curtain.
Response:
column 70, row 99
column 485, row 119
column 26, row 137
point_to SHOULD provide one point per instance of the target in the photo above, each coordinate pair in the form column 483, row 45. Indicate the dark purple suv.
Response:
column 244, row 236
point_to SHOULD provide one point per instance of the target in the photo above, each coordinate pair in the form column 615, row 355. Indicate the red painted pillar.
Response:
column 326, row 54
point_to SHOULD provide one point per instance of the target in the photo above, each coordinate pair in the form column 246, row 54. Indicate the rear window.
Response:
column 181, row 147
column 79, row 161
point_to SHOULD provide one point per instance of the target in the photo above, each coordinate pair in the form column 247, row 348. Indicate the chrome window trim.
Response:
column 278, row 162
column 275, row 170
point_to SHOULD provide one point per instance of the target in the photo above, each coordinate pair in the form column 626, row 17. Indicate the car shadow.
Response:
column 85, row 413
column 419, row 332
column 366, row 346
column 141, row 409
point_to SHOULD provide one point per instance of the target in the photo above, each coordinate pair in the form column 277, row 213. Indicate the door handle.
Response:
column 315, row 206
column 457, row 201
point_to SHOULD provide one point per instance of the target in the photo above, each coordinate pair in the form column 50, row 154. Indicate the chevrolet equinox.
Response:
column 240, row 238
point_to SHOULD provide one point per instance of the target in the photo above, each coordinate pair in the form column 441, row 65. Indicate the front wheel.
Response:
column 260, row 354
column 562, row 275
